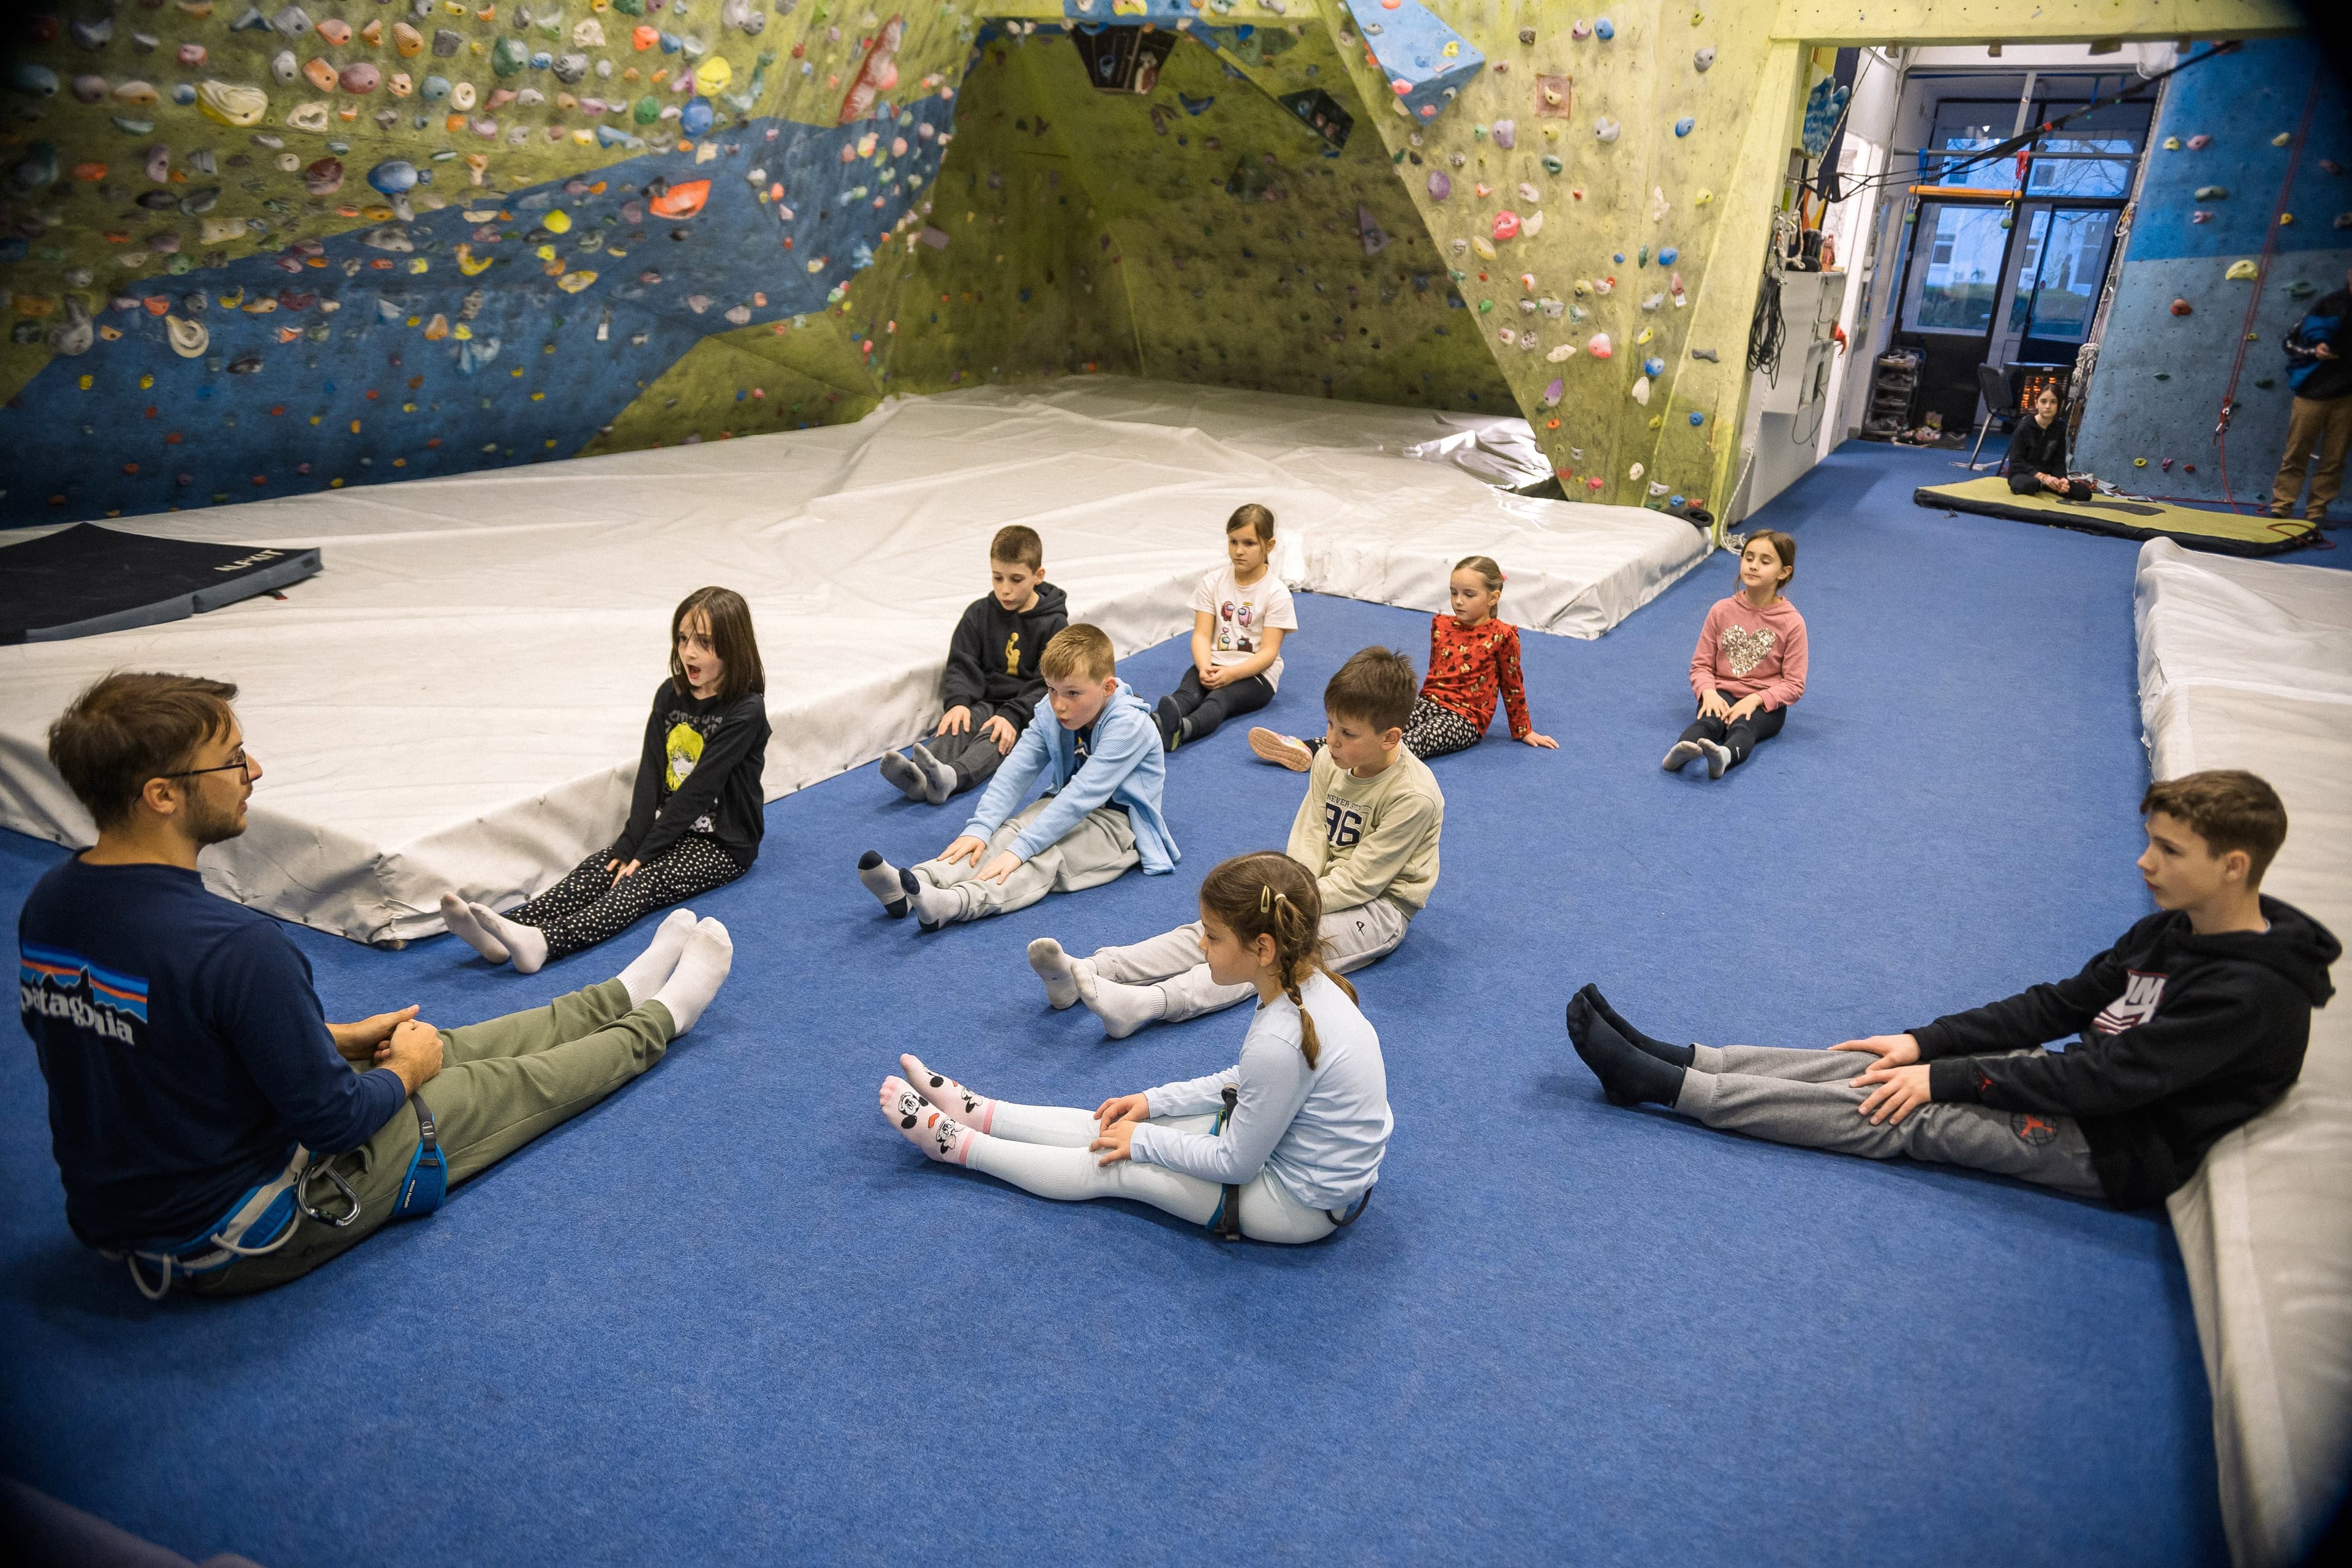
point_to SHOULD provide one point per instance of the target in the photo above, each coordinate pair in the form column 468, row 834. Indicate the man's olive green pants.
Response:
column 502, row 1084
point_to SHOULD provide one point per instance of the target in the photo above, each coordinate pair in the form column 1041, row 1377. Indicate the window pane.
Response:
column 1969, row 126
column 2080, row 177
column 2021, row 299
column 1962, row 277
column 2073, row 265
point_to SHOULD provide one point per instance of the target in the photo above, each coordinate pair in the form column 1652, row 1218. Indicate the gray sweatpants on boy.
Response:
column 1097, row 850
column 1801, row 1097
column 1171, row 961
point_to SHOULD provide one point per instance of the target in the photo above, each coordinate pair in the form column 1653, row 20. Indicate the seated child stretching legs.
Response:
column 1749, row 663
column 1366, row 832
column 1240, row 613
column 991, row 683
column 1093, row 739
column 695, row 820
column 2194, row 1022
column 1300, row 1147
column 1472, row 656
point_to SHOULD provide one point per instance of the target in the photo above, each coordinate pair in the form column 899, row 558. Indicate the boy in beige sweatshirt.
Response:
column 1366, row 832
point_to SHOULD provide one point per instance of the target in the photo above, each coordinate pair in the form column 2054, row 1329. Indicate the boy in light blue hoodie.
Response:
column 1105, row 766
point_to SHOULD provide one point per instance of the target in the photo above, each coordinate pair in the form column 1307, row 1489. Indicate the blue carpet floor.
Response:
column 731, row 1316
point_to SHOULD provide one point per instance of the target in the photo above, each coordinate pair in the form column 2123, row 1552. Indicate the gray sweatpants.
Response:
column 1171, row 961
column 1801, row 1097
column 1097, row 850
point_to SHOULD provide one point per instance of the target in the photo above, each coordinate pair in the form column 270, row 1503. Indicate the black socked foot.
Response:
column 1169, row 721
column 1673, row 1056
column 1628, row 1074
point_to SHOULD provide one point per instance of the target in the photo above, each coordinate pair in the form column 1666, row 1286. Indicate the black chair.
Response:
column 1993, row 386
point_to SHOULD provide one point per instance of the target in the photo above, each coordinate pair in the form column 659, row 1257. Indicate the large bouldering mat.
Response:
column 84, row 580
column 2228, row 534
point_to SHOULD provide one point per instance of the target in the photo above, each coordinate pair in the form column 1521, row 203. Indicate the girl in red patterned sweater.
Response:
column 1473, row 657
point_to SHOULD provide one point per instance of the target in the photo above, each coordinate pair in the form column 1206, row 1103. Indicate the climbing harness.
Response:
column 260, row 1222
column 1225, row 1224
column 267, row 1215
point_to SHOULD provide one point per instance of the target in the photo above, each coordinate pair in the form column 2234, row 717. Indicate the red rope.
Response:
column 2261, row 276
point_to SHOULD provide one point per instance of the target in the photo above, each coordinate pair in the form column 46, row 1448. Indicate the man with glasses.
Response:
column 208, row 1124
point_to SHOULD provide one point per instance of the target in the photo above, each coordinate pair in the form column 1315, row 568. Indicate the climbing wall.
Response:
column 1258, row 249
column 249, row 250
column 2231, row 161
column 1576, row 187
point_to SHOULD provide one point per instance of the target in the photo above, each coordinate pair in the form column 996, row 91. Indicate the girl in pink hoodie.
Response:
column 1749, row 663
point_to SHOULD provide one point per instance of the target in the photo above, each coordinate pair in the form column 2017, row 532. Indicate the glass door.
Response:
column 1956, row 269
column 2071, row 269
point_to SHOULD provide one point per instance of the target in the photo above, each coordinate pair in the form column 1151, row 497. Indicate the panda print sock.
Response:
column 975, row 1111
column 925, row 1125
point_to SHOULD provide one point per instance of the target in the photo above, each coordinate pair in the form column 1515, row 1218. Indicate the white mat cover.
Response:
column 457, row 701
column 2248, row 664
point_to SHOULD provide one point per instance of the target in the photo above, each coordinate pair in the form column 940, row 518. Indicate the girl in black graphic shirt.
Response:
column 2037, row 454
column 695, row 819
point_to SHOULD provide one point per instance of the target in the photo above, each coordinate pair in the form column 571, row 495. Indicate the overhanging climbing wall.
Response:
column 255, row 249
column 2220, row 159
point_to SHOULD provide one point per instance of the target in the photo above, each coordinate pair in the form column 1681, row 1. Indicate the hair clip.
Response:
column 1264, row 898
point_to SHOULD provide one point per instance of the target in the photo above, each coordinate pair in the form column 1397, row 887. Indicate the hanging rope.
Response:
column 2261, row 276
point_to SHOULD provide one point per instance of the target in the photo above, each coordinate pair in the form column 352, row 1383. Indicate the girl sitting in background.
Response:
column 1299, row 1145
column 695, row 819
column 1749, row 663
column 1473, row 657
column 2037, row 454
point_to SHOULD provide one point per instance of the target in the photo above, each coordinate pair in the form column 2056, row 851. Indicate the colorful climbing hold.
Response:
column 1683, row 126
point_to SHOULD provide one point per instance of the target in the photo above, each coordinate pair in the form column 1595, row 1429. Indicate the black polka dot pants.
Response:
column 1437, row 731
column 586, row 908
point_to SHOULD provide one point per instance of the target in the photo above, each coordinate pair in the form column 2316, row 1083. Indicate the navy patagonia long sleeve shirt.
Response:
column 185, row 1050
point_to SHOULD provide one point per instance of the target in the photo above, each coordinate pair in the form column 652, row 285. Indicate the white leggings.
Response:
column 1041, row 1149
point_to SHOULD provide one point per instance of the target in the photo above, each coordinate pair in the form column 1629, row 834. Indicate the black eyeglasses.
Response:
column 243, row 764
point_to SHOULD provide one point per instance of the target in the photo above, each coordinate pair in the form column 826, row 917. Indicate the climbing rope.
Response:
column 2261, row 276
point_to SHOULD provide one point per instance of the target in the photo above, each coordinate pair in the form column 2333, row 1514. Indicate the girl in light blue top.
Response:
column 1309, row 1119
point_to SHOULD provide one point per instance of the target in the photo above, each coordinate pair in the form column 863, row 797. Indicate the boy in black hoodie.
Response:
column 993, row 682
column 2192, row 1024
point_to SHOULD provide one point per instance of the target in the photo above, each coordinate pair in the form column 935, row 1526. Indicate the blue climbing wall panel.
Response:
column 2205, row 204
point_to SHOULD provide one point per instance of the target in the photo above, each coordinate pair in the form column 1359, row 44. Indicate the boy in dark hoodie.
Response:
column 2193, row 1024
column 992, row 684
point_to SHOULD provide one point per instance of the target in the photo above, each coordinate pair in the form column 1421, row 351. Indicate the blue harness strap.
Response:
column 426, row 1182
column 260, row 1221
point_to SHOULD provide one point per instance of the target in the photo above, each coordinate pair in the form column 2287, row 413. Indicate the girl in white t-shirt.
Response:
column 1301, row 1142
column 1240, row 613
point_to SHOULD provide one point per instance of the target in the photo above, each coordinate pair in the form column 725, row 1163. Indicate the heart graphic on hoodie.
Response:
column 1745, row 649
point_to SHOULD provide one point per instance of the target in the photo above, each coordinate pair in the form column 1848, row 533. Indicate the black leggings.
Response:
column 1208, row 709
column 585, row 908
column 2076, row 489
column 1743, row 737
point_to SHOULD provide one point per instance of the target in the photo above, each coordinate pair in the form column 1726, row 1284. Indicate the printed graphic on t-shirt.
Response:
column 52, row 982
column 1013, row 653
column 1238, row 628
column 1084, row 742
column 1744, row 650
column 684, row 749
column 2135, row 1006
column 1343, row 822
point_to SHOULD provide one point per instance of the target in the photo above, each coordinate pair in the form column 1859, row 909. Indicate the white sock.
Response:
column 933, row 907
column 645, row 973
column 1684, row 754
column 710, row 953
column 881, row 878
column 1059, row 971
column 467, row 930
column 1123, row 1009
column 526, row 945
